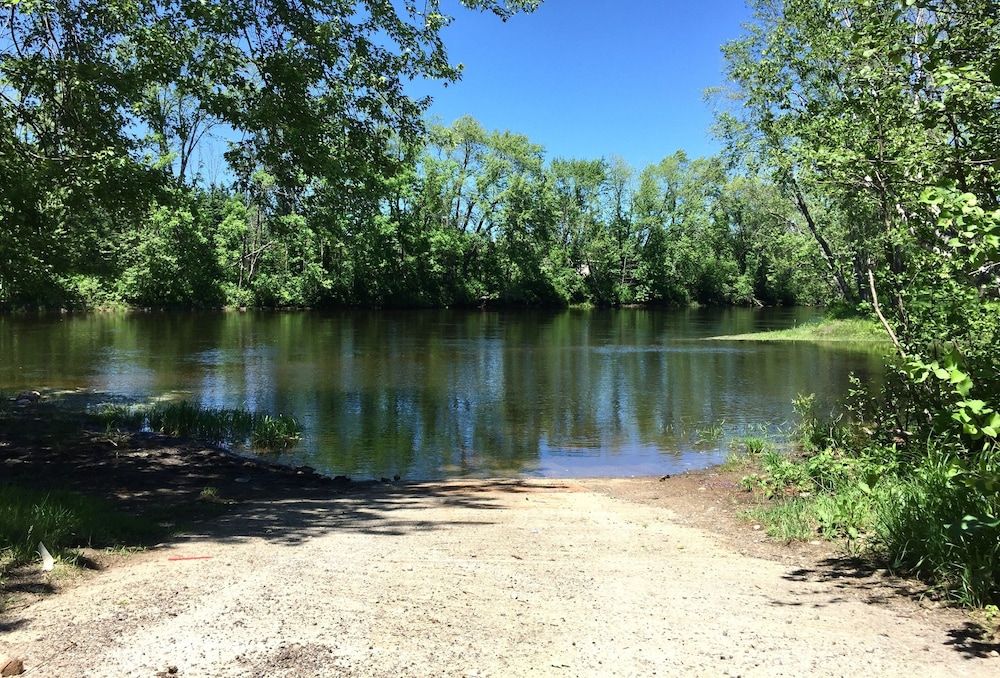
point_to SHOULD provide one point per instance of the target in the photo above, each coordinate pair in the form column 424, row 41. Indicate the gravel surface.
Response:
column 477, row 578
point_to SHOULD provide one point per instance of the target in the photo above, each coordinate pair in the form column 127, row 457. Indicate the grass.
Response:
column 210, row 495
column 848, row 330
column 745, row 452
column 943, row 525
column 789, row 520
column 709, row 433
column 63, row 521
column 185, row 419
column 935, row 517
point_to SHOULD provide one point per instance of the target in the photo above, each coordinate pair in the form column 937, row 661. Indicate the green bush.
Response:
column 942, row 523
column 936, row 517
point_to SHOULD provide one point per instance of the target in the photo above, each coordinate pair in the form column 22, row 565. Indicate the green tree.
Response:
column 106, row 101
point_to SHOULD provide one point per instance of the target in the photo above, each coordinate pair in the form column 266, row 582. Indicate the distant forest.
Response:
column 329, row 188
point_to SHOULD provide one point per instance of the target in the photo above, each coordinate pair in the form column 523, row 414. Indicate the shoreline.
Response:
column 856, row 331
column 277, row 538
column 166, row 478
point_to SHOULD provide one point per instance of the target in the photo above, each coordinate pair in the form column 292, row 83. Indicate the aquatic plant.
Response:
column 710, row 433
column 186, row 419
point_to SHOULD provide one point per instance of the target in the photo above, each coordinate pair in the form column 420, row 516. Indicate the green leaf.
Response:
column 975, row 406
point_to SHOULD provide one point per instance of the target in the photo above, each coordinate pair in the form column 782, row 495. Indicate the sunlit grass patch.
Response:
column 936, row 516
column 848, row 330
column 745, row 452
column 791, row 519
column 63, row 521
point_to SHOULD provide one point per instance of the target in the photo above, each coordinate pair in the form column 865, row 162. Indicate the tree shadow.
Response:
column 11, row 625
column 863, row 579
column 29, row 586
column 973, row 641
column 179, row 481
column 371, row 508
column 189, row 487
column 858, row 575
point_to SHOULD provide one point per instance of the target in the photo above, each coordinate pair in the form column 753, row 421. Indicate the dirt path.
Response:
column 559, row 578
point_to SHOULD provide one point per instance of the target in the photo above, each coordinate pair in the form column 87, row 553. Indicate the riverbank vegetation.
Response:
column 64, row 522
column 854, row 330
column 214, row 425
column 880, row 121
column 916, row 512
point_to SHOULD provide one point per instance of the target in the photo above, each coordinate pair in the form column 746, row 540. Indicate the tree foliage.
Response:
column 104, row 103
column 879, row 120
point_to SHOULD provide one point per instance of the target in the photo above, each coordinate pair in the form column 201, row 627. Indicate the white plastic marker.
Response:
column 47, row 562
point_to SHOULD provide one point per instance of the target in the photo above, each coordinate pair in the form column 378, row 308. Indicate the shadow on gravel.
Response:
column 36, row 587
column 972, row 640
column 6, row 626
column 877, row 587
column 196, row 488
column 368, row 508
column 180, row 482
column 856, row 574
column 166, row 480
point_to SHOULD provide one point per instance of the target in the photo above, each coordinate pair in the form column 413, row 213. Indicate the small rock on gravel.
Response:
column 9, row 666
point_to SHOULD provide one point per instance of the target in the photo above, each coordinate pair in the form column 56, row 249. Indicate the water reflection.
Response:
column 438, row 393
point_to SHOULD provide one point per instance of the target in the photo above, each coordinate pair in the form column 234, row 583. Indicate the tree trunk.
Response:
column 824, row 246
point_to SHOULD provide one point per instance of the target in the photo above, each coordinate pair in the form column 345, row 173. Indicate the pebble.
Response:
column 10, row 666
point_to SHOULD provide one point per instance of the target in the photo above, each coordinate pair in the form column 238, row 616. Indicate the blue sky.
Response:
column 593, row 78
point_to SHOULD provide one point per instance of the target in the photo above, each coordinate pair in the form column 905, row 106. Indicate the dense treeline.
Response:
column 334, row 192
column 469, row 217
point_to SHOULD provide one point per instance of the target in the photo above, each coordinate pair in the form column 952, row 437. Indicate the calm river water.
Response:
column 431, row 394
